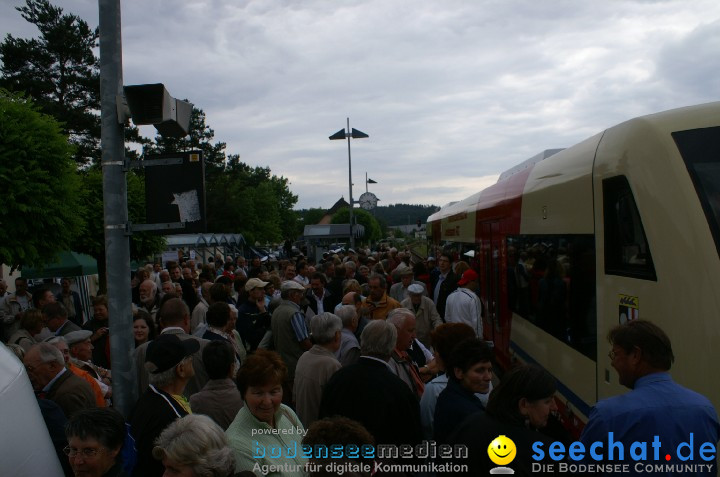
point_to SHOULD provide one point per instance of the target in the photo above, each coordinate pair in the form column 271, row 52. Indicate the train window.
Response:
column 700, row 149
column 551, row 283
column 627, row 252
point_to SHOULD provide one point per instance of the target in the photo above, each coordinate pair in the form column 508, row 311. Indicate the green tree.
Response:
column 239, row 198
column 313, row 216
column 92, row 242
column 362, row 217
column 39, row 217
column 199, row 137
column 59, row 71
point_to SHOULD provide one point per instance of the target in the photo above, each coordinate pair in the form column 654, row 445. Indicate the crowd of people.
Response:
column 238, row 364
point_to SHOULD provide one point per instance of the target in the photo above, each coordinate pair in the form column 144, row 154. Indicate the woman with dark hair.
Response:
column 95, row 439
column 518, row 407
column 265, row 425
column 443, row 338
column 143, row 328
column 470, row 372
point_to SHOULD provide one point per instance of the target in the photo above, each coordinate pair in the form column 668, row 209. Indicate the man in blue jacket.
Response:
column 655, row 410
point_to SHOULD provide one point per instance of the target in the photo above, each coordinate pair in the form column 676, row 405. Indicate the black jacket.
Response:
column 371, row 394
column 154, row 411
column 446, row 288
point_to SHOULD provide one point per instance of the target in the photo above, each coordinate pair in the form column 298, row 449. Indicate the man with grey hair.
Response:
column 315, row 367
column 399, row 290
column 349, row 351
column 51, row 380
column 174, row 316
column 149, row 298
column 61, row 343
column 401, row 364
column 350, row 268
column 168, row 361
column 371, row 394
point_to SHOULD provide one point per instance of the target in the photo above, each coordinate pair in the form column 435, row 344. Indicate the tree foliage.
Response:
column 239, row 198
column 404, row 214
column 362, row 217
column 200, row 137
column 41, row 188
column 92, row 241
column 59, row 71
column 312, row 216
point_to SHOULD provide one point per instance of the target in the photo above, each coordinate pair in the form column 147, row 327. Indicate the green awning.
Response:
column 70, row 264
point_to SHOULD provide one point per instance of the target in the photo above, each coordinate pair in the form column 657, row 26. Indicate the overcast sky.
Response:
column 451, row 92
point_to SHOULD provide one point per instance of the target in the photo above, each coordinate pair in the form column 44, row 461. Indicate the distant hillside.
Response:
column 404, row 214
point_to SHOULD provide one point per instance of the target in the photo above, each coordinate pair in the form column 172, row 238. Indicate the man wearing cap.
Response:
column 463, row 305
column 175, row 319
column 253, row 318
column 399, row 291
column 426, row 316
column 50, row 378
column 60, row 343
column 80, row 353
column 168, row 362
column 289, row 331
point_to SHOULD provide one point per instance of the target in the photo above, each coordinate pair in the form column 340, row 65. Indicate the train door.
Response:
column 490, row 289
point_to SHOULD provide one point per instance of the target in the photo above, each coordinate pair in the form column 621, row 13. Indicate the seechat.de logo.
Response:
column 502, row 451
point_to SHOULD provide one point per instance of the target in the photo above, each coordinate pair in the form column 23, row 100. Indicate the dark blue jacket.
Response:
column 454, row 405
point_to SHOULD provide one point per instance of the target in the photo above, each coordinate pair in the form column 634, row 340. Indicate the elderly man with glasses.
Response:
column 51, row 380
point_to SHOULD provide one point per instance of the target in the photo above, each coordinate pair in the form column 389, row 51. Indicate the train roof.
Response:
column 664, row 120
column 470, row 203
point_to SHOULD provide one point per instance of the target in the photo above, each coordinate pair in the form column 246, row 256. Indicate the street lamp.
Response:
column 355, row 134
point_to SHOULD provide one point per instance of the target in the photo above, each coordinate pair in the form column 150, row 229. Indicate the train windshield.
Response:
column 700, row 149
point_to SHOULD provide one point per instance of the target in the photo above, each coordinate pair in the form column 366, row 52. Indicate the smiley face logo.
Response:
column 502, row 450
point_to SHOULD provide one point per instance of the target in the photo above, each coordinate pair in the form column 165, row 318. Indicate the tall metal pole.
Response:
column 352, row 224
column 117, row 242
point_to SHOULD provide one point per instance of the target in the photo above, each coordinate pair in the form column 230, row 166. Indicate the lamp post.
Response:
column 355, row 134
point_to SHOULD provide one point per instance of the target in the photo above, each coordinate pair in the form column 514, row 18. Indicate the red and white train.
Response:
column 568, row 244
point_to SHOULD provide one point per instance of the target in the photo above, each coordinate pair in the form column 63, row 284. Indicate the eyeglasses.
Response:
column 88, row 452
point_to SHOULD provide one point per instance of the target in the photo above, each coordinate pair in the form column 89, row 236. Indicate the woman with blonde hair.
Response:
column 195, row 446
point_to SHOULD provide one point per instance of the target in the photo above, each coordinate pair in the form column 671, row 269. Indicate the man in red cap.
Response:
column 463, row 305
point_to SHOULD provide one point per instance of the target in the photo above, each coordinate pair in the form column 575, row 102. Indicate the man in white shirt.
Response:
column 463, row 305
column 302, row 275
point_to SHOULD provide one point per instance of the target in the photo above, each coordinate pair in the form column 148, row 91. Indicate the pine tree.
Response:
column 59, row 71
